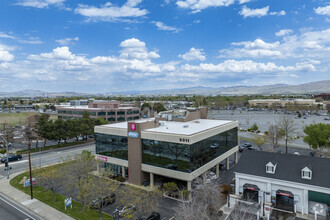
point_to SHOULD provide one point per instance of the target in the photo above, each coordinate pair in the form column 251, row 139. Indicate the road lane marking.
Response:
column 16, row 162
column 18, row 209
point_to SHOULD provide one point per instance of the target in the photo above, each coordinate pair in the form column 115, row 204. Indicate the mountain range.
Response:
column 307, row 88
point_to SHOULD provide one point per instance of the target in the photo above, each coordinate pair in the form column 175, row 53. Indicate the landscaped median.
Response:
column 48, row 198
column 56, row 146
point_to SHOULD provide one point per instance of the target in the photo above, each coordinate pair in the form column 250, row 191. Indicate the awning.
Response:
column 284, row 193
column 251, row 187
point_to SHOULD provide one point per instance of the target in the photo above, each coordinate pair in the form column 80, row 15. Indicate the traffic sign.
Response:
column 67, row 202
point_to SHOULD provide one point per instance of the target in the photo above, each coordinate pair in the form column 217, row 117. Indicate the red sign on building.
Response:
column 133, row 127
column 105, row 159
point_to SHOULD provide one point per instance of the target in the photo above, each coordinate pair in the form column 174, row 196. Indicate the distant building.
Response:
column 78, row 102
column 324, row 96
column 112, row 111
column 284, row 181
column 281, row 103
column 23, row 107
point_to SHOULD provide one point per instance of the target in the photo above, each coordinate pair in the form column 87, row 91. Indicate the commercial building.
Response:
column 182, row 145
column 286, row 182
column 281, row 103
column 112, row 111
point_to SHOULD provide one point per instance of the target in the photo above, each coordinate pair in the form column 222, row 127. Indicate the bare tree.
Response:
column 259, row 141
column 243, row 210
column 205, row 203
column 273, row 135
column 98, row 192
column 51, row 178
column 78, row 168
column 144, row 202
column 287, row 128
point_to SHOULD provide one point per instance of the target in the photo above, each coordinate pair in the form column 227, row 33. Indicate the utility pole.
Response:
column 4, row 135
column 29, row 145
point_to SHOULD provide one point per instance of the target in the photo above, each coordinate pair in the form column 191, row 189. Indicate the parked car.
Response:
column 152, row 216
column 105, row 200
column 11, row 158
column 214, row 145
column 245, row 146
column 126, row 210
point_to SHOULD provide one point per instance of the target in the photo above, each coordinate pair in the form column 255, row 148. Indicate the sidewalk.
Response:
column 35, row 206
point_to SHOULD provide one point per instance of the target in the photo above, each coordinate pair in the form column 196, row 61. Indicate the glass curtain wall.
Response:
column 111, row 145
column 187, row 158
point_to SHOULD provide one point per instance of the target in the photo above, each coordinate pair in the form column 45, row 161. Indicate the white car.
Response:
column 214, row 145
column 126, row 210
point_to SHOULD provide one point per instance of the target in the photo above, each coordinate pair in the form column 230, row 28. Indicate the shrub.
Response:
column 171, row 187
column 249, row 129
column 185, row 194
column 2, row 151
column 225, row 190
column 121, row 179
column 258, row 131
column 266, row 132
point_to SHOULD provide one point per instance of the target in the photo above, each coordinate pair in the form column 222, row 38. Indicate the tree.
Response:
column 95, row 189
column 59, row 130
column 42, row 127
column 273, row 135
column 101, row 121
column 242, row 210
column 205, row 202
column 259, row 141
column 86, row 125
column 287, row 128
column 317, row 135
column 145, row 202
column 254, row 127
column 78, row 169
column 159, row 107
column 51, row 178
column 146, row 105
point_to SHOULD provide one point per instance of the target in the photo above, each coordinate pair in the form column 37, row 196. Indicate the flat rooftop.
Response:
column 85, row 107
column 173, row 127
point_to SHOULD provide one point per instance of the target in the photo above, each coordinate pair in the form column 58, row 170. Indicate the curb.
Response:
column 61, row 148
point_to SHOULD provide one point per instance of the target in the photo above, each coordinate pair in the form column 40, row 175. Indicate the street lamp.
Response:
column 7, row 149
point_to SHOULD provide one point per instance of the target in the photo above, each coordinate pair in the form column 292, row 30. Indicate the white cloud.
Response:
column 67, row 41
column 40, row 3
column 135, row 49
column 31, row 40
column 109, row 12
column 4, row 35
column 161, row 26
column 283, row 32
column 259, row 12
column 59, row 53
column 243, row 1
column 307, row 45
column 5, row 56
column 198, row 5
column 323, row 10
column 193, row 54
column 279, row 13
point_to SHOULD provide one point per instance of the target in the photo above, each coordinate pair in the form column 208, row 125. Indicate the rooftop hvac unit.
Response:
column 161, row 123
column 185, row 126
column 169, row 117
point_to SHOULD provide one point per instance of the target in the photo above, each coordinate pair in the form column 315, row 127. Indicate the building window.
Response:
column 306, row 173
column 92, row 113
column 136, row 117
column 59, row 111
column 70, row 112
column 121, row 113
column 129, row 112
column 111, row 145
column 136, row 112
column 270, row 168
column 121, row 119
column 64, row 112
column 111, row 113
column 101, row 113
column 111, row 119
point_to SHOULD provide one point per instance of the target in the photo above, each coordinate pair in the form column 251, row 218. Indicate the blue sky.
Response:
column 123, row 45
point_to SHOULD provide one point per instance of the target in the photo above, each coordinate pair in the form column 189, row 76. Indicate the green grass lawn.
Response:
column 18, row 118
column 53, row 146
column 48, row 198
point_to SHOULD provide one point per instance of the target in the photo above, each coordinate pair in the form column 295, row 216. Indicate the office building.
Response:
column 181, row 144
column 112, row 111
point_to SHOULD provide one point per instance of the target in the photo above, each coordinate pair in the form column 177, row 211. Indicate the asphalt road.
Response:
column 10, row 211
column 47, row 158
